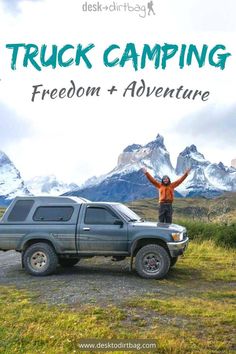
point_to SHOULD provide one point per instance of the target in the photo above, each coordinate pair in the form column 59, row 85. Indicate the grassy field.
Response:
column 195, row 312
column 205, row 219
column 221, row 209
column 1, row 211
column 192, row 311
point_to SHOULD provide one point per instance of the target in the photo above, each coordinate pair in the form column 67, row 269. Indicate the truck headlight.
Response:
column 177, row 236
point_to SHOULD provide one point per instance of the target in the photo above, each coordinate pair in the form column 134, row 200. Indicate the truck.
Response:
column 51, row 231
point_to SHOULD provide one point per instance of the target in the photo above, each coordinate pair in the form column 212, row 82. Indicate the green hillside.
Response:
column 205, row 219
column 221, row 209
column 1, row 211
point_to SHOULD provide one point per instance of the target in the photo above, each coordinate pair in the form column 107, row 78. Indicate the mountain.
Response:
column 233, row 163
column 126, row 182
column 48, row 185
column 206, row 178
column 11, row 183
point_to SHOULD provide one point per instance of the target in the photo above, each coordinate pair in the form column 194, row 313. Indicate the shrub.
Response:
column 222, row 235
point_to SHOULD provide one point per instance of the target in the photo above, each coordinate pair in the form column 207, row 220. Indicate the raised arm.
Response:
column 151, row 179
column 181, row 179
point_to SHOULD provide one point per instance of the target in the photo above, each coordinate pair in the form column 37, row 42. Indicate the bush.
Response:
column 222, row 235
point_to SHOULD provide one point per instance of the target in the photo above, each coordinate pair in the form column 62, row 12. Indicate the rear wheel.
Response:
column 152, row 262
column 68, row 262
column 40, row 259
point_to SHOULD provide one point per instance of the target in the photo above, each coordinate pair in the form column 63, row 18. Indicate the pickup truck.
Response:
column 48, row 231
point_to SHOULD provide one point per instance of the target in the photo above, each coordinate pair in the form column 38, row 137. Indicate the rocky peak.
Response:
column 233, row 163
column 221, row 166
column 157, row 143
column 190, row 150
column 132, row 148
column 152, row 155
column 4, row 159
column 11, row 183
column 190, row 157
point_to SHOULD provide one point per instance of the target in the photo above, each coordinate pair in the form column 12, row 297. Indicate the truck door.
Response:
column 102, row 230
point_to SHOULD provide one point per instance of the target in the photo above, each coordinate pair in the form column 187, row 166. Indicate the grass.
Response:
column 223, row 235
column 221, row 209
column 193, row 311
column 2, row 210
column 221, row 228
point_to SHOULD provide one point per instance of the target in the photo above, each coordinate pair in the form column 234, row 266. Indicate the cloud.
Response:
column 214, row 124
column 13, row 6
column 75, row 139
column 12, row 127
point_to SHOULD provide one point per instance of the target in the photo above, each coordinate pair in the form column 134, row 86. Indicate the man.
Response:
column 166, row 194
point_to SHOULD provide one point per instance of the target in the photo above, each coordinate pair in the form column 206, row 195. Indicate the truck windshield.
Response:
column 127, row 213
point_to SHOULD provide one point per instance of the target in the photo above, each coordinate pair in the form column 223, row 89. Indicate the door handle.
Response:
column 86, row 228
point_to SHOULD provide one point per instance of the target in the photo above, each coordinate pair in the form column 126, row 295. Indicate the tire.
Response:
column 152, row 262
column 68, row 262
column 40, row 259
column 173, row 260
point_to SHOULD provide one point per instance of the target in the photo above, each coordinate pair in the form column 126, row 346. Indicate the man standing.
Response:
column 166, row 194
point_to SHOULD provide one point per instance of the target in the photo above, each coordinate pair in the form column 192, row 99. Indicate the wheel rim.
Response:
column 151, row 263
column 38, row 260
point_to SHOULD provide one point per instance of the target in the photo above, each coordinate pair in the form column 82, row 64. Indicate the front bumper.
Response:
column 177, row 248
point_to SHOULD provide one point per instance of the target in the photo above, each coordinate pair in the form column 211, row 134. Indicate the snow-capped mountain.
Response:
column 127, row 182
column 206, row 178
column 127, row 173
column 11, row 183
column 153, row 155
column 48, row 185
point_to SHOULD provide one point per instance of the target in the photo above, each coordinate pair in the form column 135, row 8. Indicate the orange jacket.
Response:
column 166, row 193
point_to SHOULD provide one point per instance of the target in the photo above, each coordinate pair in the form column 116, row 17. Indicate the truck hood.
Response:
column 160, row 226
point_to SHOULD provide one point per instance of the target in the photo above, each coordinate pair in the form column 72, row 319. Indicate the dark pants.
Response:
column 165, row 212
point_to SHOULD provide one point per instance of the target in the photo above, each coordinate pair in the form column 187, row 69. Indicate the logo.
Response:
column 120, row 7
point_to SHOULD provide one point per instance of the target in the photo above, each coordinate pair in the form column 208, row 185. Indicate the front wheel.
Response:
column 152, row 262
column 40, row 259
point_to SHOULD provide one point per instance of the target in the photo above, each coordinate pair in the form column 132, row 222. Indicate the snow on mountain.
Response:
column 11, row 183
column 190, row 157
column 153, row 156
column 92, row 181
column 126, row 182
column 206, row 178
column 48, row 185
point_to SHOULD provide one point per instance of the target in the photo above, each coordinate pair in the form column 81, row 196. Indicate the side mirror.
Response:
column 118, row 222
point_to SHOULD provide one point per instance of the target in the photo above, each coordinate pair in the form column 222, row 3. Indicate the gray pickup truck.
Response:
column 61, row 230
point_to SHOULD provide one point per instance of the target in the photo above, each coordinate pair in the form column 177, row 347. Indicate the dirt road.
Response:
column 96, row 280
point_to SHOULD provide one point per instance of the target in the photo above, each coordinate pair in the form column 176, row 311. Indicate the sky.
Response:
column 78, row 138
